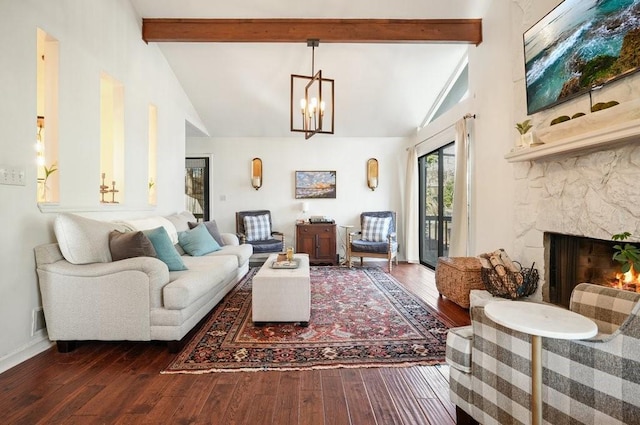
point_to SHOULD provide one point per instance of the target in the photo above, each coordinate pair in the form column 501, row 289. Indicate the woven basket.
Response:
column 457, row 276
column 511, row 285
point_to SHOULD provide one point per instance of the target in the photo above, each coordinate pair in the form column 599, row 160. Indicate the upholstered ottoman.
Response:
column 282, row 295
column 457, row 276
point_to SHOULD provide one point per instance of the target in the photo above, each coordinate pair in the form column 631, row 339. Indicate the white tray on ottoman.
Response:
column 282, row 295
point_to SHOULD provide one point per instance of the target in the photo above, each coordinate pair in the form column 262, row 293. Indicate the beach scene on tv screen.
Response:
column 579, row 45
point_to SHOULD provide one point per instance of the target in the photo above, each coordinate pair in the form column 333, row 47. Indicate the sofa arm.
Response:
column 101, row 301
column 230, row 239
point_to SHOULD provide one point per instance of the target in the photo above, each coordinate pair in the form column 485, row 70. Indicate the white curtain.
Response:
column 459, row 243
column 412, row 231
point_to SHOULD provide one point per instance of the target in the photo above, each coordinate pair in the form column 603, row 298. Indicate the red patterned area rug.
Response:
column 360, row 317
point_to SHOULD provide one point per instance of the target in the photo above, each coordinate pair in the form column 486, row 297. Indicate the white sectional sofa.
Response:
column 88, row 296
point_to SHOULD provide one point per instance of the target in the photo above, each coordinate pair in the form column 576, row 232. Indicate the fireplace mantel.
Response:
column 597, row 130
column 599, row 138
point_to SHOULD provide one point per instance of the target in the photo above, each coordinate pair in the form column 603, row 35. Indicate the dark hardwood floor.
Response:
column 120, row 383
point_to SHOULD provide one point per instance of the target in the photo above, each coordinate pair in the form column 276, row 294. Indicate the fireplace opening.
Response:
column 576, row 259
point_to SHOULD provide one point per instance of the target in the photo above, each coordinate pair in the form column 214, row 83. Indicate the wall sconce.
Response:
column 372, row 173
column 256, row 173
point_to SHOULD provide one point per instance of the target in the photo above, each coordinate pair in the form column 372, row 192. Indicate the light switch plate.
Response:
column 12, row 175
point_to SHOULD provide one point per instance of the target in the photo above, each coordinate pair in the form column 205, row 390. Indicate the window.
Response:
column 456, row 89
column 196, row 187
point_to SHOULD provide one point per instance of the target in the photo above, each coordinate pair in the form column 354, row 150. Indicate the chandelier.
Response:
column 312, row 102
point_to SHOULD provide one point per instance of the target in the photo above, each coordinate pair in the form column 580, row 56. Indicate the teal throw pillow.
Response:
column 197, row 241
column 212, row 227
column 164, row 248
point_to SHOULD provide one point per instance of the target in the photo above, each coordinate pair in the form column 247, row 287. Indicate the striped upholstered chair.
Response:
column 594, row 381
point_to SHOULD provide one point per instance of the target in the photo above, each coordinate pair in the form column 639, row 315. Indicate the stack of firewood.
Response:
column 508, row 271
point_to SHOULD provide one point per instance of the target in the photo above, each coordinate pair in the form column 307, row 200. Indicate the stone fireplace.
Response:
column 592, row 193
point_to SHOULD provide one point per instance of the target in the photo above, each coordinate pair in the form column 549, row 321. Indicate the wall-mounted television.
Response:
column 579, row 45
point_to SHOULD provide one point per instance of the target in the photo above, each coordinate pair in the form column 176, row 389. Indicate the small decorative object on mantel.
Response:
column 506, row 278
column 561, row 118
column 603, row 105
column 526, row 138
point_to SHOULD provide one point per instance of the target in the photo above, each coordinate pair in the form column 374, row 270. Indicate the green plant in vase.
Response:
column 627, row 255
column 524, row 126
column 48, row 171
column 526, row 138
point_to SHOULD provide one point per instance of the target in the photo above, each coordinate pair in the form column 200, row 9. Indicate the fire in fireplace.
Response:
column 629, row 281
column 576, row 259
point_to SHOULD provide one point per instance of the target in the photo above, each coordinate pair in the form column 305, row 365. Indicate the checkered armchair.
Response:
column 594, row 381
column 255, row 227
column 377, row 238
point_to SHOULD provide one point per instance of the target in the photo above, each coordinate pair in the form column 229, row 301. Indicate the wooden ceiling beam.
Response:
column 301, row 30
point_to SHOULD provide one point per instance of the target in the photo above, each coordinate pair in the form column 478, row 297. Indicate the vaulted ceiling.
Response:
column 241, row 89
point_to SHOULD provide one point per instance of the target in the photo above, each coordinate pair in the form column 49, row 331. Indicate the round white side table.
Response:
column 539, row 320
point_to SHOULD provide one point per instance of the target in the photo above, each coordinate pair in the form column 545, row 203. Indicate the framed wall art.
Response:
column 579, row 46
column 315, row 184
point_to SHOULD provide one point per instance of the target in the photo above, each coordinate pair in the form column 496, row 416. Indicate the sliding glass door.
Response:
column 436, row 173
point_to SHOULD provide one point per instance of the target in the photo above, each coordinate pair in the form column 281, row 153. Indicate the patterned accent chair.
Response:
column 593, row 381
column 255, row 228
column 377, row 238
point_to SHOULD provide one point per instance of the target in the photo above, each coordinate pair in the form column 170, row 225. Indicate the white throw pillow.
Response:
column 375, row 229
column 83, row 240
column 154, row 222
column 257, row 227
column 181, row 220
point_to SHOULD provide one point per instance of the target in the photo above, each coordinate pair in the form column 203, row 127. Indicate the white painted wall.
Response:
column 93, row 37
column 281, row 157
column 491, row 100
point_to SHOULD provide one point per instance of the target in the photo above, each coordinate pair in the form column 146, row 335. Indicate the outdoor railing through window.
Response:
column 431, row 233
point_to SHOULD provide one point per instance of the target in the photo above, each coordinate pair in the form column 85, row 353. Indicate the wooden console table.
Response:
column 319, row 241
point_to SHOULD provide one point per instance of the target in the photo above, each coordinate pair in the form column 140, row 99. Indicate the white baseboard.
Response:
column 36, row 346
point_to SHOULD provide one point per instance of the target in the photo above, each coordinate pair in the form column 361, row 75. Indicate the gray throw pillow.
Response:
column 212, row 227
column 129, row 245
